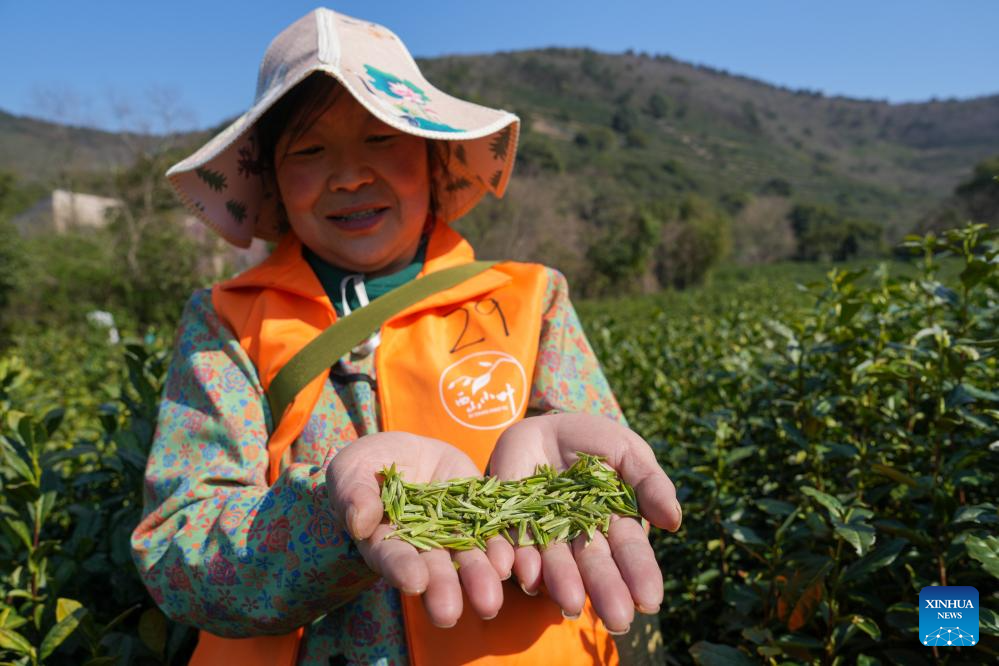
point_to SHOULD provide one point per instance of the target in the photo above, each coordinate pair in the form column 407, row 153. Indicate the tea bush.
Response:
column 831, row 462
column 835, row 448
column 69, row 593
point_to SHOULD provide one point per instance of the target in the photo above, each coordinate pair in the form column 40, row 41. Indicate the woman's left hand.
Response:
column 619, row 572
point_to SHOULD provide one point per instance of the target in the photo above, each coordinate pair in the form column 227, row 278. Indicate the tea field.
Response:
column 833, row 433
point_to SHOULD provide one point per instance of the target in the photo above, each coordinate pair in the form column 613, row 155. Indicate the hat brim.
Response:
column 224, row 184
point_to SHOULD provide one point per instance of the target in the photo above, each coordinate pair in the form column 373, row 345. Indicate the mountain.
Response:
column 882, row 161
column 604, row 133
column 39, row 151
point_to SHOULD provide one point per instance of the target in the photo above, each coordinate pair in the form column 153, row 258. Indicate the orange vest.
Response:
column 456, row 366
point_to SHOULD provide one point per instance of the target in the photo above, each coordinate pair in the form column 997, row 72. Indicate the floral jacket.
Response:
column 220, row 550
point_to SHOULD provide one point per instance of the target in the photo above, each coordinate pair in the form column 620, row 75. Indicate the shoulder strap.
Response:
column 346, row 333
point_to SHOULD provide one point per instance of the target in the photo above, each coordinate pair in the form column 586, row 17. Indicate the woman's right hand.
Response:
column 353, row 483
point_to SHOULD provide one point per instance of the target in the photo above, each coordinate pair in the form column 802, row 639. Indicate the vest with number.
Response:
column 456, row 366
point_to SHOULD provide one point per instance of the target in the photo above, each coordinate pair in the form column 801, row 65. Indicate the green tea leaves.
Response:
column 547, row 507
column 985, row 551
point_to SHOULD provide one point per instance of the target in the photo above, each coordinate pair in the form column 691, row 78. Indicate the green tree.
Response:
column 537, row 154
column 11, row 255
column 620, row 256
column 11, row 268
column 980, row 193
column 625, row 119
column 822, row 233
column 658, row 106
column 694, row 237
column 598, row 139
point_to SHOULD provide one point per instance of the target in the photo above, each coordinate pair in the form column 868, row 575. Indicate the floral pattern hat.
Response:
column 226, row 186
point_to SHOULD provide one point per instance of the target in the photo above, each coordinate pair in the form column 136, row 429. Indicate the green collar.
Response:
column 331, row 277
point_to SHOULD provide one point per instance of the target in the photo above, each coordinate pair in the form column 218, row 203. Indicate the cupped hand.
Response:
column 619, row 572
column 355, row 494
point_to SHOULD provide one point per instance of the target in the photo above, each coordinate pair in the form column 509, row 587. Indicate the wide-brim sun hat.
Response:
column 225, row 185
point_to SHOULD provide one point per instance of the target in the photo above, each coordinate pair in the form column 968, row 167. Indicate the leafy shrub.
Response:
column 692, row 240
column 621, row 255
column 778, row 187
column 657, row 106
column 624, row 120
column 69, row 593
column 537, row 154
column 597, row 139
column 976, row 198
column 637, row 139
column 11, row 267
column 832, row 460
column 822, row 233
column 834, row 448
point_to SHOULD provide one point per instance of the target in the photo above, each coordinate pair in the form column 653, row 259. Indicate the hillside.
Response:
column 976, row 198
column 877, row 160
column 606, row 134
column 36, row 150
column 41, row 151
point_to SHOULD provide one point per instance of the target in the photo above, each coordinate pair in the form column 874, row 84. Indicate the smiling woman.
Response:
column 339, row 161
column 355, row 190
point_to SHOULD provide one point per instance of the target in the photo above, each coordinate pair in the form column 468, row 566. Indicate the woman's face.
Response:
column 357, row 192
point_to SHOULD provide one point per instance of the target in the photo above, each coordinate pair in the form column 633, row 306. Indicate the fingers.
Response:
column 443, row 596
column 501, row 556
column 527, row 568
column 360, row 501
column 479, row 581
column 520, row 449
column 562, row 579
column 353, row 479
column 629, row 455
column 397, row 561
column 433, row 574
column 657, row 501
column 608, row 592
column 636, row 562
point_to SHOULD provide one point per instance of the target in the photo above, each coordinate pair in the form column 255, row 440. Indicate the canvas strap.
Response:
column 348, row 332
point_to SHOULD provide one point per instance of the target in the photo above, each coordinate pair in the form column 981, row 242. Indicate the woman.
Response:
column 267, row 528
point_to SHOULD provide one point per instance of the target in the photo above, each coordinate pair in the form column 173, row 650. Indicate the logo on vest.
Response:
column 484, row 391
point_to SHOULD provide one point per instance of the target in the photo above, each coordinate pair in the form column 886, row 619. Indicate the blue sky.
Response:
column 75, row 60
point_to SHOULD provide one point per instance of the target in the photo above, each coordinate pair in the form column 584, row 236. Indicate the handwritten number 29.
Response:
column 487, row 307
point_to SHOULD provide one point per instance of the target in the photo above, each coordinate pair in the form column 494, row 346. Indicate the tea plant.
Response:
column 832, row 462
column 541, row 509
column 69, row 592
column 835, row 446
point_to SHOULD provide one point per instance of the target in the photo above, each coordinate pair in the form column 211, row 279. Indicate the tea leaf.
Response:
column 775, row 507
column 153, row 629
column 989, row 620
column 870, row 563
column 66, row 607
column 713, row 654
column 984, row 513
column 20, row 529
column 11, row 640
column 547, row 507
column 61, row 631
column 867, row 625
column 985, row 551
column 832, row 505
column 858, row 535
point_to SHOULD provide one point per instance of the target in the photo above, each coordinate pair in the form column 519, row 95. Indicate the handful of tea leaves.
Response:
column 545, row 508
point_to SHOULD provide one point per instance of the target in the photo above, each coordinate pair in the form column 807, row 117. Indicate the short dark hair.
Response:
column 301, row 106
